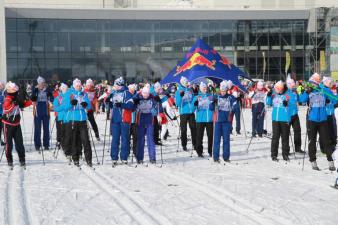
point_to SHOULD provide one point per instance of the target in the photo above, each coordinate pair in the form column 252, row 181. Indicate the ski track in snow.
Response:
column 134, row 207
column 15, row 209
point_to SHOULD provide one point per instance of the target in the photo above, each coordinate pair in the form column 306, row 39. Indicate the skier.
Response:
column 121, row 106
column 233, row 90
column 205, row 106
column 155, row 91
column 90, row 91
column 42, row 98
column 59, row 108
column 76, row 103
column 293, row 110
column 11, row 119
column 280, row 120
column 133, row 126
column 258, row 109
column 146, row 108
column 183, row 98
column 317, row 121
column 222, row 119
column 2, row 98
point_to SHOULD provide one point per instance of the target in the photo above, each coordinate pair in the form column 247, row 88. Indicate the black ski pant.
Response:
column 58, row 131
column 133, row 133
column 185, row 119
column 280, row 130
column 67, row 140
column 92, row 121
column 14, row 132
column 200, row 127
column 322, row 128
column 80, row 138
column 297, row 138
column 332, row 126
column 1, row 127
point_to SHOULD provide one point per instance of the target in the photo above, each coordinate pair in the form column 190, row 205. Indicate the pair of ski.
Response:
column 11, row 167
column 137, row 165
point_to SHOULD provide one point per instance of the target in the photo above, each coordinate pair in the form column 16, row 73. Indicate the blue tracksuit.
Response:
column 76, row 113
column 185, row 104
column 237, row 112
column 146, row 109
column 280, row 113
column 223, row 125
column 293, row 102
column 317, row 106
column 59, row 107
column 120, row 122
column 43, row 98
column 205, row 109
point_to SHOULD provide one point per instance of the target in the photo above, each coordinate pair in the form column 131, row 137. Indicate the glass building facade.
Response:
column 147, row 50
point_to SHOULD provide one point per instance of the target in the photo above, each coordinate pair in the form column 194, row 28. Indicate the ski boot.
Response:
column 185, row 148
column 315, row 166
column 331, row 166
column 274, row 158
column 217, row 161
column 124, row 162
column 114, row 163
column 89, row 163
column 152, row 161
column 10, row 165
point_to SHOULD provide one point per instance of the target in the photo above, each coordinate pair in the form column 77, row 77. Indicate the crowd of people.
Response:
column 139, row 112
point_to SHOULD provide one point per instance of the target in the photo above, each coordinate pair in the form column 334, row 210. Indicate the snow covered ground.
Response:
column 250, row 190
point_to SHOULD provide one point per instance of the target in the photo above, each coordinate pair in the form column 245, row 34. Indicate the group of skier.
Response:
column 143, row 112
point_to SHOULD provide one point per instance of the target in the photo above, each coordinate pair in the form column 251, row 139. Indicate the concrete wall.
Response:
column 173, row 4
column 3, row 70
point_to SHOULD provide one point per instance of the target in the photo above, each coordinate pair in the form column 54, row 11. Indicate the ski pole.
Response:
column 304, row 150
column 43, row 156
column 51, row 134
column 161, row 149
column 91, row 135
column 104, row 140
column 179, row 135
column 30, row 149
column 243, row 122
column 293, row 147
column 2, row 154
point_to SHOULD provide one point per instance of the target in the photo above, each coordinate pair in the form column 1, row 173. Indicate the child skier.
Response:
column 90, row 91
column 258, row 109
column 222, row 119
column 280, row 120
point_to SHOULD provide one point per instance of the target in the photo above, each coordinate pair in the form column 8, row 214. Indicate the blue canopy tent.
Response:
column 202, row 61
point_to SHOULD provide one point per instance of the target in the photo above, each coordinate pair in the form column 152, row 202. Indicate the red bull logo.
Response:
column 225, row 61
column 195, row 59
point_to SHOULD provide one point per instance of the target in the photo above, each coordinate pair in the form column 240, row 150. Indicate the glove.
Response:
column 285, row 103
column 196, row 103
column 239, row 99
column 175, row 118
column 136, row 101
column 335, row 105
column 15, row 102
column 118, row 104
column 215, row 101
column 157, row 98
column 34, row 98
column 327, row 101
column 302, row 91
column 107, row 100
column 309, row 90
column 269, row 93
column 195, row 90
column 182, row 93
column 73, row 102
column 84, row 104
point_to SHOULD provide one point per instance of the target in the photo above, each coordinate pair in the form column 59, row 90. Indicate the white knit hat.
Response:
column 224, row 85
column 89, row 82
column 41, row 80
column 203, row 85
column 76, row 81
column 184, row 81
column 63, row 87
column 157, row 85
column 11, row 87
column 327, row 81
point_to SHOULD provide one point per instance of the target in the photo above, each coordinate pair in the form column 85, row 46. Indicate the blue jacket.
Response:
column 2, row 98
column 224, row 111
column 280, row 113
column 146, row 109
column 77, row 112
column 44, row 97
column 118, row 114
column 332, row 101
column 59, row 106
column 205, row 109
column 317, row 107
column 293, row 102
column 185, row 104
